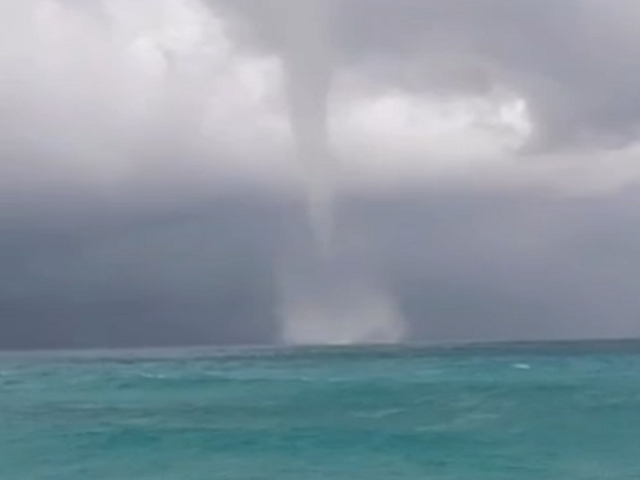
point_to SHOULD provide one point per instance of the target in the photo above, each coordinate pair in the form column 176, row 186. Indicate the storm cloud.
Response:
column 488, row 163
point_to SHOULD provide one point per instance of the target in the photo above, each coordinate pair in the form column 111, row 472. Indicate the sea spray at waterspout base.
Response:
column 335, row 300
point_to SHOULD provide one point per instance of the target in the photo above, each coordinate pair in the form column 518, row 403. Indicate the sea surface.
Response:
column 559, row 411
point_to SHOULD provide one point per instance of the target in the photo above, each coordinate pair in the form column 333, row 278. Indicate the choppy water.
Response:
column 503, row 412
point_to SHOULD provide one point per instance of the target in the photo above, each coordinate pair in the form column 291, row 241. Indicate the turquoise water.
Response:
column 502, row 412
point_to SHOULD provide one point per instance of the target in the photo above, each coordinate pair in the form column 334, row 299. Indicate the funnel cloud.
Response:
column 324, row 301
column 308, row 67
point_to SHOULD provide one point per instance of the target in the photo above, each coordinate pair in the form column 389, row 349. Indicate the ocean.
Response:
column 560, row 411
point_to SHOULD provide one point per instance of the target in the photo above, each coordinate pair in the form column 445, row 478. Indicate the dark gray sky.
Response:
column 488, row 162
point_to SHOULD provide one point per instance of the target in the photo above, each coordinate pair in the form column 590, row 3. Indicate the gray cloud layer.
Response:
column 575, row 61
column 166, row 261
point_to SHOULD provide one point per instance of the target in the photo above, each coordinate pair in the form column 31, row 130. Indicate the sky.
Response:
column 485, row 155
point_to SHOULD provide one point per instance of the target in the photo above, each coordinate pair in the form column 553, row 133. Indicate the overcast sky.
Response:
column 488, row 163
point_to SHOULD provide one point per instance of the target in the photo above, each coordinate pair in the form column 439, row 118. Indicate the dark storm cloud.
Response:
column 509, row 266
column 464, row 266
column 188, row 277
